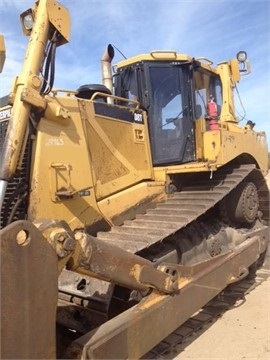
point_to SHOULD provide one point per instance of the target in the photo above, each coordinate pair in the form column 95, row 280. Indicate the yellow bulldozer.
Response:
column 126, row 206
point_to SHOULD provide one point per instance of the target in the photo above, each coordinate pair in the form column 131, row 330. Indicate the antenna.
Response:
column 120, row 52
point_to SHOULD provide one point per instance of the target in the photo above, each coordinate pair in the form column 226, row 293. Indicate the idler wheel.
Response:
column 242, row 204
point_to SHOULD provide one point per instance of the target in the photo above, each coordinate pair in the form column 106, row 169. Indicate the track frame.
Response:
column 136, row 331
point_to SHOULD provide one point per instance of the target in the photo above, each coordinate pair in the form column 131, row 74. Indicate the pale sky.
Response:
column 215, row 29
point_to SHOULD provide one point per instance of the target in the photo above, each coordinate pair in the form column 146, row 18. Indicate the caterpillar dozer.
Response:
column 127, row 205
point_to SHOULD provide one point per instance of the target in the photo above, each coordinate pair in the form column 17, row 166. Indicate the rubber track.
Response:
column 179, row 210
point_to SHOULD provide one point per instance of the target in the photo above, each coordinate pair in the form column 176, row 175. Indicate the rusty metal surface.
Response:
column 111, row 263
column 137, row 330
column 28, row 293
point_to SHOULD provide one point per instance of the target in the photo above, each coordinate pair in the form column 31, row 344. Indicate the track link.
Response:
column 179, row 210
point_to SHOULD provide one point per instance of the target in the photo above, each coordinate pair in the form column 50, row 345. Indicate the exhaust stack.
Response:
column 106, row 68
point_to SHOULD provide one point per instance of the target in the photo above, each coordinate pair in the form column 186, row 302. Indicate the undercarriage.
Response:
column 196, row 238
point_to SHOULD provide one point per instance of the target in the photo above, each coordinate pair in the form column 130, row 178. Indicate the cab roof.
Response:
column 164, row 55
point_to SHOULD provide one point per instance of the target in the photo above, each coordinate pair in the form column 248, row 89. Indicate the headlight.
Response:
column 27, row 21
column 241, row 56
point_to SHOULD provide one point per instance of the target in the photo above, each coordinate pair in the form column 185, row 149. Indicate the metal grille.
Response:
column 15, row 201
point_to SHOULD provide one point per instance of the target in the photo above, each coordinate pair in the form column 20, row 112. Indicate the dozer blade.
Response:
column 28, row 293
column 134, row 332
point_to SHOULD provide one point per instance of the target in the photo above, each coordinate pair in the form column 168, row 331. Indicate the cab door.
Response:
column 170, row 114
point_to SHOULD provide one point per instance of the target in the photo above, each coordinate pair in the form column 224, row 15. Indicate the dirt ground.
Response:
column 243, row 332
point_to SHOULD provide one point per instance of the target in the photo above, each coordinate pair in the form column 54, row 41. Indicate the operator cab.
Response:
column 175, row 95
